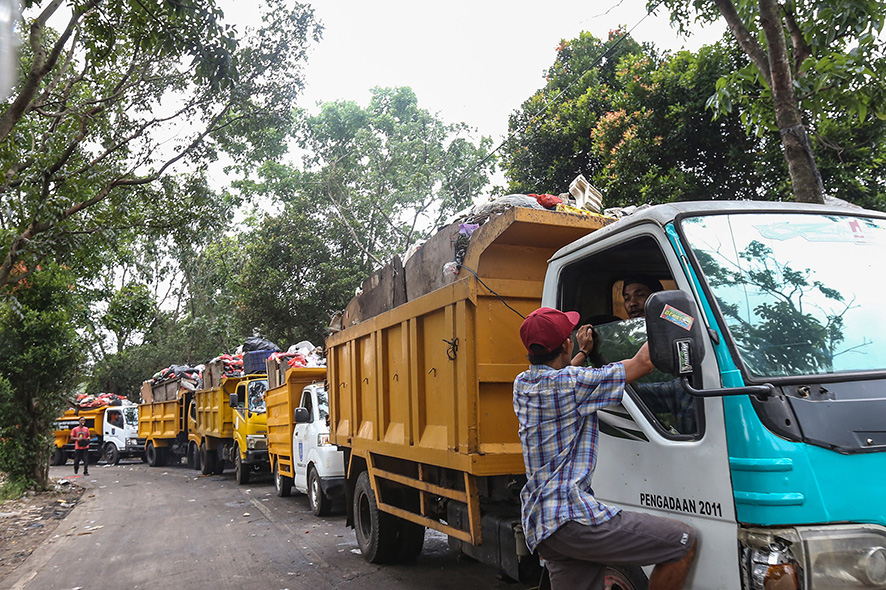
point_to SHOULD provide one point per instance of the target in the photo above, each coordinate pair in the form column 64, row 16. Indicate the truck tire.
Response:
column 207, row 460
column 59, row 457
column 619, row 577
column 193, row 456
column 410, row 535
column 241, row 471
column 320, row 504
column 111, row 454
column 376, row 531
column 152, row 454
column 282, row 483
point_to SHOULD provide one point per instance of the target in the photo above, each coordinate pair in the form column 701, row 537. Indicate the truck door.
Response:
column 304, row 435
column 114, row 429
column 660, row 451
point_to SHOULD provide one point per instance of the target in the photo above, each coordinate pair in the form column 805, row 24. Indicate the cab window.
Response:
column 608, row 289
column 306, row 402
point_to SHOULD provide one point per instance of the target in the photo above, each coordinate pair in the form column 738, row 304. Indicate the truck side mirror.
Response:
column 674, row 331
column 302, row 416
column 232, row 400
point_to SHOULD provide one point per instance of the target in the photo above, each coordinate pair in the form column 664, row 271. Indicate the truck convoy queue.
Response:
column 768, row 334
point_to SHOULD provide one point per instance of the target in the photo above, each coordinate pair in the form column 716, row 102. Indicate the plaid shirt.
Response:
column 557, row 411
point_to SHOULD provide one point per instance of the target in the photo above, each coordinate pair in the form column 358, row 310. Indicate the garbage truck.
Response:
column 763, row 426
column 220, row 420
column 113, row 431
column 301, row 454
column 420, row 380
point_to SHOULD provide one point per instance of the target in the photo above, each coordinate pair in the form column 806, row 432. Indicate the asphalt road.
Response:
column 138, row 527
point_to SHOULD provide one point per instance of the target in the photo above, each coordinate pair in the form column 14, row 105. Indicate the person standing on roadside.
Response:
column 81, row 437
column 556, row 403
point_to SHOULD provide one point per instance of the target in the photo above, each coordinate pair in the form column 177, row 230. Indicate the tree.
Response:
column 659, row 143
column 809, row 61
column 40, row 357
column 636, row 126
column 108, row 105
column 300, row 264
column 550, row 142
column 388, row 172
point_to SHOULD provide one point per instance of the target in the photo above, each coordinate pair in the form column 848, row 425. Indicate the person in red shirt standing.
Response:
column 81, row 437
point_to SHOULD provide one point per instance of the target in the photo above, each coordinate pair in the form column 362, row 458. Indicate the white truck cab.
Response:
column 120, row 434
column 318, row 465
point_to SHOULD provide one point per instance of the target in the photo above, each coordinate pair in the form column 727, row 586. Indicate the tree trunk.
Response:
column 805, row 178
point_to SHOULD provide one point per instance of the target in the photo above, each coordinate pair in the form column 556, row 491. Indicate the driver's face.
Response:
column 635, row 295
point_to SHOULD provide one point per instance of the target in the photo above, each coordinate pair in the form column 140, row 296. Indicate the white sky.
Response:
column 471, row 61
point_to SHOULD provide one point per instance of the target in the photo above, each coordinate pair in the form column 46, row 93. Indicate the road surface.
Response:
column 138, row 527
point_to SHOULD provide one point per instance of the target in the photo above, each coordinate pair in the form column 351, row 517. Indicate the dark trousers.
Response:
column 81, row 455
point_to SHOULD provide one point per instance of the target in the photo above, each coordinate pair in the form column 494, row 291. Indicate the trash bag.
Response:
column 259, row 343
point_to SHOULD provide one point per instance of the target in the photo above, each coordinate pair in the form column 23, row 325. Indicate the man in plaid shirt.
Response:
column 556, row 403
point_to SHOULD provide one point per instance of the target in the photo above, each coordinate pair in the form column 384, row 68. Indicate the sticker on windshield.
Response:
column 677, row 317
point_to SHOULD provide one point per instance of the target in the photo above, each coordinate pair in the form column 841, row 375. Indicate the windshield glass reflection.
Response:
column 801, row 294
column 256, row 395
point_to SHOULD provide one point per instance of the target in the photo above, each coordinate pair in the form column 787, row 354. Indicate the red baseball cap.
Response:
column 547, row 328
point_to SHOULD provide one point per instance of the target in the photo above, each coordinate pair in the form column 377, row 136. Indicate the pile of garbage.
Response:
column 85, row 400
column 232, row 365
column 303, row 354
column 189, row 375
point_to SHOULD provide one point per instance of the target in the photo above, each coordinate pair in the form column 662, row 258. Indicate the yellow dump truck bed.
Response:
column 281, row 403
column 431, row 380
column 214, row 415
column 161, row 419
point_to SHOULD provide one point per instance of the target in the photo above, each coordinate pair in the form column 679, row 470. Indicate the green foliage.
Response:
column 130, row 309
column 830, row 74
column 40, row 358
column 551, row 142
column 299, row 266
column 388, row 172
column 145, row 86
column 637, row 127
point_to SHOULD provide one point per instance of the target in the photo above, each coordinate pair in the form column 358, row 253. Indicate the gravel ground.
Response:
column 28, row 521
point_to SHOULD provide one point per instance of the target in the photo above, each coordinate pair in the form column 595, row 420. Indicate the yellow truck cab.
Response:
column 248, row 449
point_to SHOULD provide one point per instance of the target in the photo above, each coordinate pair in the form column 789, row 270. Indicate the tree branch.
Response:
column 745, row 38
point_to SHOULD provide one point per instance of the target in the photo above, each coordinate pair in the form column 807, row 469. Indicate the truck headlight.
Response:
column 256, row 441
column 322, row 439
column 131, row 442
column 814, row 558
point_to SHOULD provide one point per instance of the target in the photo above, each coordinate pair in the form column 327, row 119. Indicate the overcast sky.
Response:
column 471, row 61
column 468, row 61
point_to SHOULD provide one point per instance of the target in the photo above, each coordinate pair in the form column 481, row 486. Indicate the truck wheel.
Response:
column 59, row 457
column 152, row 454
column 376, row 531
column 193, row 456
column 282, row 483
column 320, row 504
column 241, row 471
column 625, row 578
column 207, row 460
column 111, row 454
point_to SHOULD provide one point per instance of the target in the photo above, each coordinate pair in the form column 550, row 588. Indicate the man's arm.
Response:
column 639, row 365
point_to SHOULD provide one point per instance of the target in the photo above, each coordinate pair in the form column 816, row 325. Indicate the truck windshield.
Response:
column 801, row 294
column 323, row 403
column 255, row 395
column 131, row 415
